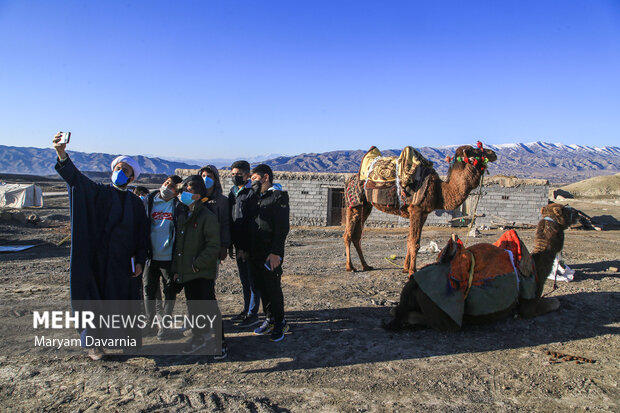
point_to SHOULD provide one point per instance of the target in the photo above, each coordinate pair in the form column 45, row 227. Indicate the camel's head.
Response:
column 477, row 157
column 452, row 248
column 563, row 215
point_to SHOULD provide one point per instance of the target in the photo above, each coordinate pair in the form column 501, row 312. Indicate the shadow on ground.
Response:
column 595, row 270
column 349, row 336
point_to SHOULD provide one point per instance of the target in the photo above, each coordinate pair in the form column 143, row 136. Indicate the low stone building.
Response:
column 317, row 199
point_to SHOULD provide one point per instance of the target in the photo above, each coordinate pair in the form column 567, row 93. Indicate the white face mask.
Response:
column 166, row 192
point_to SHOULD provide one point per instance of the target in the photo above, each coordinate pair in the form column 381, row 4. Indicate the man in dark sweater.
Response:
column 242, row 201
column 269, row 228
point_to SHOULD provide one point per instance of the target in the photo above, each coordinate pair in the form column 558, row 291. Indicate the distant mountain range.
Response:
column 554, row 161
column 557, row 162
column 220, row 162
column 38, row 161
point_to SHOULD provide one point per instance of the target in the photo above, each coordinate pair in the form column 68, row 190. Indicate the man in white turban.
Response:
column 117, row 164
column 109, row 240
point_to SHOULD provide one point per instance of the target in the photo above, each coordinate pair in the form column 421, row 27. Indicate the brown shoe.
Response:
column 96, row 353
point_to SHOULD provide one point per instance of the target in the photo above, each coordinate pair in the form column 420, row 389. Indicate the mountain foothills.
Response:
column 557, row 162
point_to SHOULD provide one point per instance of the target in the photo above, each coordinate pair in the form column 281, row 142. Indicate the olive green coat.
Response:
column 197, row 245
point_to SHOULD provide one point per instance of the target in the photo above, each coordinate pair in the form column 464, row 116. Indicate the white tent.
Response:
column 20, row 196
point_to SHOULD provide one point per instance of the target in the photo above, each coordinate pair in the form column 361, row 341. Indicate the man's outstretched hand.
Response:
column 59, row 147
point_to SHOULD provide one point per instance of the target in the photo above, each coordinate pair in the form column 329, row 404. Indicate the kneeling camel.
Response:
column 484, row 283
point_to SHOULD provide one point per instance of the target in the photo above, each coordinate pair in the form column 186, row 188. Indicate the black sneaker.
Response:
column 239, row 317
column 194, row 344
column 264, row 328
column 224, row 353
column 249, row 321
column 278, row 331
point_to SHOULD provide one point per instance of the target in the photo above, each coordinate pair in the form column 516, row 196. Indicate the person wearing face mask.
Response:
column 196, row 255
column 162, row 209
column 217, row 202
column 109, row 242
column 242, row 201
column 270, row 226
column 142, row 192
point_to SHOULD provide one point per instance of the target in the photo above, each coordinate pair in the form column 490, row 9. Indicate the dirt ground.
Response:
column 336, row 356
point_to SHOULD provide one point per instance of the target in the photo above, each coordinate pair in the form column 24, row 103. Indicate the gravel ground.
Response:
column 336, row 356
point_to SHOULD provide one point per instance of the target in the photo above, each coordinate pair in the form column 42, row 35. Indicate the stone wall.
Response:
column 504, row 200
column 509, row 201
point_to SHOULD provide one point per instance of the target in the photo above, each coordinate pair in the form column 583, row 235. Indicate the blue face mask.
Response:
column 119, row 178
column 143, row 198
column 208, row 182
column 186, row 198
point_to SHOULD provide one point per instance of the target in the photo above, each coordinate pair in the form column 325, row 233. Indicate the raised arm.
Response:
column 67, row 170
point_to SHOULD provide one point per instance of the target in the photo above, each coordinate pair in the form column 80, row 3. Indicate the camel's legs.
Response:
column 355, row 218
column 357, row 240
column 417, row 218
column 538, row 306
column 352, row 221
column 406, row 264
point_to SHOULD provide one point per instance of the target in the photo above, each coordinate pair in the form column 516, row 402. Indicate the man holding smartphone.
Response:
column 109, row 236
column 270, row 226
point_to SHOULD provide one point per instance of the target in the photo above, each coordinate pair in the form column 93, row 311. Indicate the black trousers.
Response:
column 196, row 293
column 153, row 271
column 270, row 287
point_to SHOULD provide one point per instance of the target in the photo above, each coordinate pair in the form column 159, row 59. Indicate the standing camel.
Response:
column 466, row 169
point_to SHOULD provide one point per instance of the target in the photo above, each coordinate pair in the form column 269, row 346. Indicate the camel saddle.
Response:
column 391, row 180
column 522, row 258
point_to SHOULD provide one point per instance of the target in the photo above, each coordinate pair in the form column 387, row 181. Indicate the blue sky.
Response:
column 207, row 79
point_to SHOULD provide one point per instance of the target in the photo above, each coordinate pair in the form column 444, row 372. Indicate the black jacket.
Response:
column 177, row 209
column 270, row 225
column 218, row 204
column 242, row 206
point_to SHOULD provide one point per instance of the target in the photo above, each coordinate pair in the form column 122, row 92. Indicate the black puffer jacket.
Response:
column 242, row 204
column 270, row 225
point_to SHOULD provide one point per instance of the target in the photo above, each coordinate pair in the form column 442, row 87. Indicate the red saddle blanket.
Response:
column 523, row 260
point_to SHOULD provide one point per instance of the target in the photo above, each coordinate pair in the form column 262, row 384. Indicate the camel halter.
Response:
column 473, row 217
column 474, row 160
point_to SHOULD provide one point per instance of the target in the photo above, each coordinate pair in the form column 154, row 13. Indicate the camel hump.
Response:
column 367, row 162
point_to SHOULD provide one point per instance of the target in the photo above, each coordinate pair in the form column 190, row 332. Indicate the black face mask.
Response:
column 238, row 180
column 256, row 185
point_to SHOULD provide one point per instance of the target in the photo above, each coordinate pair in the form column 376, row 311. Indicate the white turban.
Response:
column 129, row 161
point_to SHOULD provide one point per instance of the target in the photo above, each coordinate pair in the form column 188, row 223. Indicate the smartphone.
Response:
column 64, row 137
column 269, row 266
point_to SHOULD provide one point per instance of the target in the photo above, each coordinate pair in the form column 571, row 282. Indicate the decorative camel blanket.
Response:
column 353, row 192
column 494, row 285
column 388, row 169
column 395, row 181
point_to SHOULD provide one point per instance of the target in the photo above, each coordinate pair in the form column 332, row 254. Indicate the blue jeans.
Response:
column 251, row 296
